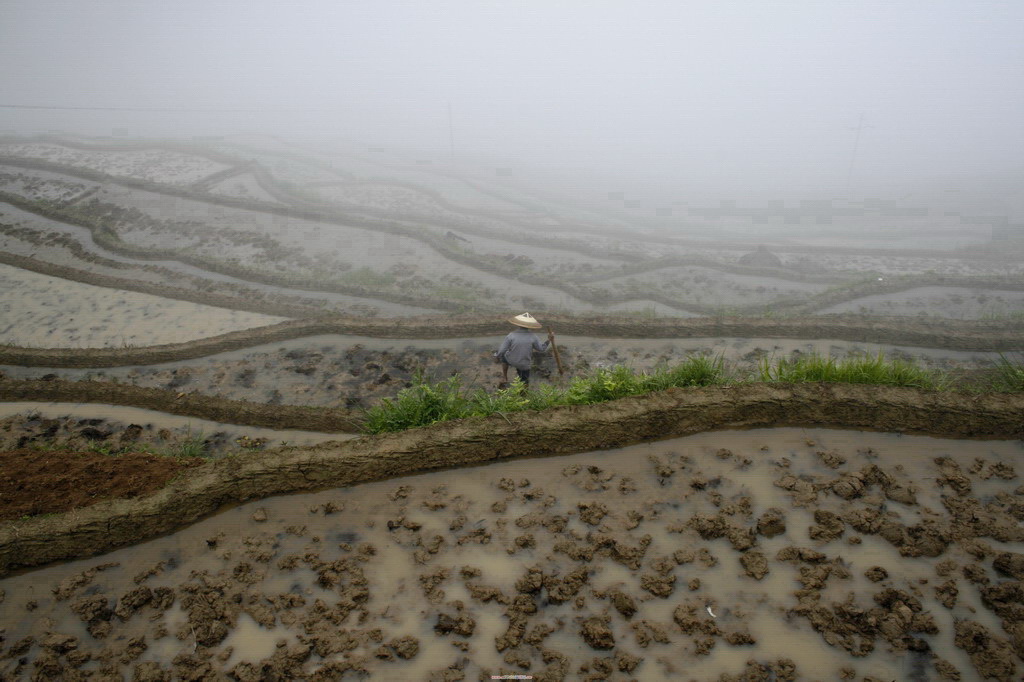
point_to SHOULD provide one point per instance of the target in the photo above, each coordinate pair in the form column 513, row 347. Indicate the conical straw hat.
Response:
column 525, row 320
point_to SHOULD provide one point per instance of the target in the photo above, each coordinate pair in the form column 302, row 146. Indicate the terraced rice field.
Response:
column 41, row 311
column 248, row 300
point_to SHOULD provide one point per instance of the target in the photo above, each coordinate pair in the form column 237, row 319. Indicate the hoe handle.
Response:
column 554, row 351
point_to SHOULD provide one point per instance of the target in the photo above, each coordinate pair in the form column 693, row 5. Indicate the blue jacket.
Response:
column 517, row 348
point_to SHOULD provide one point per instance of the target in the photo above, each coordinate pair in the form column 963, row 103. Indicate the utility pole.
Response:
column 856, row 144
column 451, row 132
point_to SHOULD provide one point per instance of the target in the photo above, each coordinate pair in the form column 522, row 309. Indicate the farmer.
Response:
column 517, row 348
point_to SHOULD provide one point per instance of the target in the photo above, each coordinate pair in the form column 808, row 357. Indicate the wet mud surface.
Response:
column 35, row 482
column 952, row 302
column 48, row 312
column 354, row 372
column 982, row 336
column 113, row 429
column 157, row 165
column 757, row 555
column 766, row 554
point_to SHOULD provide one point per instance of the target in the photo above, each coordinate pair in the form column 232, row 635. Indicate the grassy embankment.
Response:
column 427, row 402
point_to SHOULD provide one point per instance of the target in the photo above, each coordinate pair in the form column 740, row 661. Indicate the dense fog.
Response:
column 781, row 100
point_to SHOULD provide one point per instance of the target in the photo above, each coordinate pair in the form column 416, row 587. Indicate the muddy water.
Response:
column 711, row 287
column 25, row 418
column 351, row 579
column 40, row 311
column 42, row 185
column 84, row 236
column 959, row 303
column 649, row 307
column 356, row 246
column 156, row 165
column 244, row 186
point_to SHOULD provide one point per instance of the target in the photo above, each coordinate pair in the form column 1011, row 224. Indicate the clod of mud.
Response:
column 711, row 527
column 772, row 522
column 782, row 670
column 703, row 630
column 596, row 633
column 952, row 476
column 829, row 526
column 923, row 539
column 876, row 574
column 1010, row 564
column 462, row 624
column 804, row 492
column 592, row 512
column 623, row 603
column 991, row 655
column 849, row 486
column 755, row 564
column 845, row 624
column 1006, row 599
column 831, row 459
column 659, row 585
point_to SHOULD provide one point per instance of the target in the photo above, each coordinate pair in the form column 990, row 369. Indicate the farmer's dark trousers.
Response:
column 524, row 375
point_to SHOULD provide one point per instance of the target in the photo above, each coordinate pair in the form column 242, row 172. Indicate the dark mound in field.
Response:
column 762, row 258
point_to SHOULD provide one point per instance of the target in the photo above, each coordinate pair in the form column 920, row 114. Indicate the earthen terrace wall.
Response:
column 673, row 413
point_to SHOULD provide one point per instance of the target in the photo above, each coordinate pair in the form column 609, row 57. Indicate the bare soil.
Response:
column 35, row 482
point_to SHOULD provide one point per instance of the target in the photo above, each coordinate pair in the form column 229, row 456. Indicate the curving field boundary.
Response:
column 673, row 413
column 372, row 219
column 252, row 304
column 292, row 285
column 211, row 408
column 970, row 336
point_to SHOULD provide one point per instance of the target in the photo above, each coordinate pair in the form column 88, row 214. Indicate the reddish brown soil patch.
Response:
column 36, row 482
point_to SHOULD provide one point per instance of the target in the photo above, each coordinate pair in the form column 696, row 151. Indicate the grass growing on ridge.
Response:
column 1009, row 375
column 855, row 370
column 426, row 403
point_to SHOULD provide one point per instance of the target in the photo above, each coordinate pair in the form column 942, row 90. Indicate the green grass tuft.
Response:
column 855, row 370
column 1009, row 375
column 426, row 403
column 192, row 446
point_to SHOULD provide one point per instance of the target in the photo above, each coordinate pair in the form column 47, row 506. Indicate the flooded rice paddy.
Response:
column 48, row 312
column 953, row 302
column 243, row 186
column 156, row 165
column 787, row 553
column 60, row 255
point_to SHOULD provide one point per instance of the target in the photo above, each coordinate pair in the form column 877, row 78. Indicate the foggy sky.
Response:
column 745, row 94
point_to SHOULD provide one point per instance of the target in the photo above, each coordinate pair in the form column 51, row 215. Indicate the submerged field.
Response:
column 165, row 301
column 725, row 553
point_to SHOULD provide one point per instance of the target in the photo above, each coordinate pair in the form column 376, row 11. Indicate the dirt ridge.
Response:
column 981, row 336
column 673, row 413
column 211, row 408
column 253, row 305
